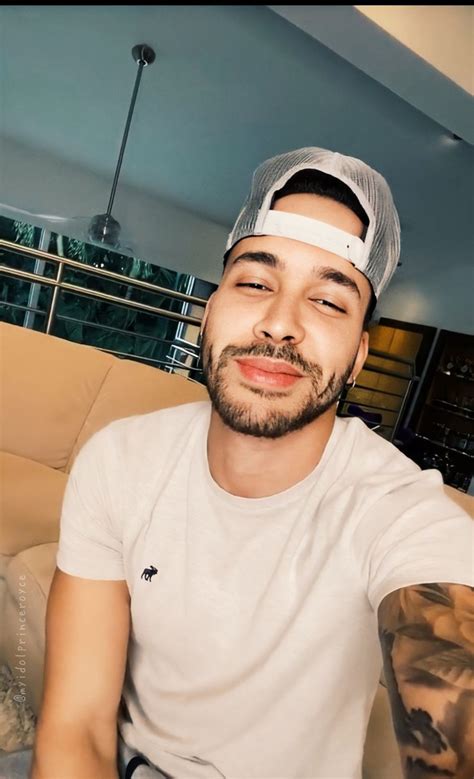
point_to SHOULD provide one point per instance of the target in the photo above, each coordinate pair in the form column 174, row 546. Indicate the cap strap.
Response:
column 321, row 234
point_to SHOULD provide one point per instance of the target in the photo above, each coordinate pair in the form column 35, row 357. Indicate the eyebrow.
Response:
column 324, row 272
column 266, row 258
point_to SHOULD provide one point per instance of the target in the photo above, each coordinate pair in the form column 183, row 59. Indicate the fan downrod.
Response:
column 103, row 228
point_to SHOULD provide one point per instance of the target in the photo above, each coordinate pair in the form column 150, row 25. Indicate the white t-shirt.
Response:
column 254, row 649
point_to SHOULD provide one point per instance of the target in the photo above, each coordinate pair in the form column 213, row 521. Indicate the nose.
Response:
column 280, row 322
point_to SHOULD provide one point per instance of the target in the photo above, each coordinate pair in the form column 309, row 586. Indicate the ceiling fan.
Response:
column 102, row 229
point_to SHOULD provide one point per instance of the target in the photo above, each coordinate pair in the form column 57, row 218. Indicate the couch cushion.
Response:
column 37, row 565
column 48, row 387
column 30, row 503
column 29, row 576
column 134, row 388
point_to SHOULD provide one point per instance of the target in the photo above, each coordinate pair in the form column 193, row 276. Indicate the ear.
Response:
column 206, row 311
column 362, row 353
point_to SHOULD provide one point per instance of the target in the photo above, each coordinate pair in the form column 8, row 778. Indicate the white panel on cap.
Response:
column 312, row 231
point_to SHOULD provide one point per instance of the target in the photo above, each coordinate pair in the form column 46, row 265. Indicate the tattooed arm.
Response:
column 427, row 636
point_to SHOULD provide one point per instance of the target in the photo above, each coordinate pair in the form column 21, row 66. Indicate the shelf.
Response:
column 434, row 404
column 452, row 406
column 455, row 376
column 363, row 406
column 374, row 389
column 385, row 372
column 444, row 446
column 391, row 356
column 377, row 425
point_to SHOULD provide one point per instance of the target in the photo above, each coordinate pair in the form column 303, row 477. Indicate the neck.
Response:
column 256, row 467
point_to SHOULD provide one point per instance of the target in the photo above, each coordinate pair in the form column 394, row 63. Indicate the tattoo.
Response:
column 427, row 637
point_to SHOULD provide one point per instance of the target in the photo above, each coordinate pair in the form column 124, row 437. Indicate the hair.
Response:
column 315, row 182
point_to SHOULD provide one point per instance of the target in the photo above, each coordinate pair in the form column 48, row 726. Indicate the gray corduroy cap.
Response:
column 376, row 256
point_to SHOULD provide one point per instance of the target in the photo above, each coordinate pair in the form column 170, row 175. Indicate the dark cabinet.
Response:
column 417, row 390
column 443, row 417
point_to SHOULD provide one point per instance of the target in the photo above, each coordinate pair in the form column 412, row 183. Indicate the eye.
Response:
column 252, row 285
column 327, row 303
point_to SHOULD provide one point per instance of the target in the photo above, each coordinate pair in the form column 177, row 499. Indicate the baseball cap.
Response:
column 376, row 256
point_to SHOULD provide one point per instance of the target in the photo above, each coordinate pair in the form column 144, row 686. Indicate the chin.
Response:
column 263, row 417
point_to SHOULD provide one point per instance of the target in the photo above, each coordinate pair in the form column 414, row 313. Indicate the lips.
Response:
column 273, row 374
column 270, row 366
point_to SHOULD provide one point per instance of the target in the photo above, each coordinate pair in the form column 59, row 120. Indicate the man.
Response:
column 256, row 547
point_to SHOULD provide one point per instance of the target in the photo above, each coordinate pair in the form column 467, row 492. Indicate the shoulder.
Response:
column 370, row 452
column 383, row 480
column 371, row 466
column 143, row 438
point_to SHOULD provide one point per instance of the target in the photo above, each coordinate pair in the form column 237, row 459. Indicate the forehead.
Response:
column 311, row 206
column 295, row 260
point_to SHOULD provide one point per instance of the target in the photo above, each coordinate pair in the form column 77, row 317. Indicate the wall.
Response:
column 442, row 299
column 161, row 233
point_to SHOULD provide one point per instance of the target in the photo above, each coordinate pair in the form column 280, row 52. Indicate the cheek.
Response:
column 333, row 345
column 230, row 323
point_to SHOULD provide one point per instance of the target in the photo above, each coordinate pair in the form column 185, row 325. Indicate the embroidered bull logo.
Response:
column 148, row 573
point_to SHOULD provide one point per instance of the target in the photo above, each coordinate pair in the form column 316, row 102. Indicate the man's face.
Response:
column 283, row 332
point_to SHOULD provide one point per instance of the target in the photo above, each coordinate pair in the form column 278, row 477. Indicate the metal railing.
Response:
column 59, row 285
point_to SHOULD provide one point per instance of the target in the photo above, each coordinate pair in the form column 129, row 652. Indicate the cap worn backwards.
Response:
column 376, row 256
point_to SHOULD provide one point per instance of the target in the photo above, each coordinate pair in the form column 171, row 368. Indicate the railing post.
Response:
column 54, row 297
column 35, row 289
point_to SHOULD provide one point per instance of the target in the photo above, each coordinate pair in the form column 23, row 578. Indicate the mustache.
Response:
column 285, row 352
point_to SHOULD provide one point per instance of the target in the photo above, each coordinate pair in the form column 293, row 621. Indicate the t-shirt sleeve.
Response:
column 414, row 535
column 90, row 534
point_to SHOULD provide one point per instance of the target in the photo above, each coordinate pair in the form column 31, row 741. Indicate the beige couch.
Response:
column 54, row 395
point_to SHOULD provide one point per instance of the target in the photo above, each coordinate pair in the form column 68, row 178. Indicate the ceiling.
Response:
column 231, row 86
column 441, row 34
column 424, row 54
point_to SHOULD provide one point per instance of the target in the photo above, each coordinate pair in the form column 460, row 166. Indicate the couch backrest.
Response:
column 55, row 393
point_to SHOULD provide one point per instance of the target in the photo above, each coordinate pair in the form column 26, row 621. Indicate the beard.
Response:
column 268, row 422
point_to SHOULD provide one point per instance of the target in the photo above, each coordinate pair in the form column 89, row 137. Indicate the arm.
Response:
column 87, row 630
column 427, row 636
